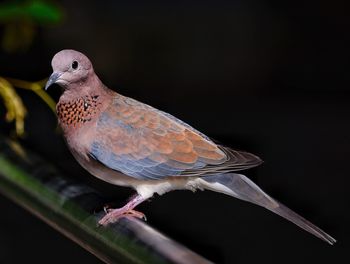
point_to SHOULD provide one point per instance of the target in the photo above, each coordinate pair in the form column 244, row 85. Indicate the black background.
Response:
column 269, row 77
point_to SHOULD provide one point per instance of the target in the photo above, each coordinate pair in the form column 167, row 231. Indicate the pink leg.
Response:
column 113, row 214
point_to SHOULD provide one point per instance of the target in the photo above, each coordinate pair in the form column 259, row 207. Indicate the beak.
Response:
column 53, row 79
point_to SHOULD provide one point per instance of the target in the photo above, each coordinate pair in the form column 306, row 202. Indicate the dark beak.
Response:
column 53, row 79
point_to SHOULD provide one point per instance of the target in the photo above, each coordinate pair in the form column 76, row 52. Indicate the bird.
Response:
column 125, row 142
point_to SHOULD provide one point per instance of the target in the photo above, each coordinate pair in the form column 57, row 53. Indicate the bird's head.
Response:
column 70, row 68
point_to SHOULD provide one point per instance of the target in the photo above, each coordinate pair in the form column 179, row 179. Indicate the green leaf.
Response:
column 42, row 12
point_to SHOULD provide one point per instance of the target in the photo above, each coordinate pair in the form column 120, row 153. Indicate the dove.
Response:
column 128, row 143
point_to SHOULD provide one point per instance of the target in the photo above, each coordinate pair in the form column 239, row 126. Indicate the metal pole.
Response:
column 65, row 205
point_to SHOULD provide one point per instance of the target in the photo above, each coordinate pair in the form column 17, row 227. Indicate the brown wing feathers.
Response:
column 146, row 143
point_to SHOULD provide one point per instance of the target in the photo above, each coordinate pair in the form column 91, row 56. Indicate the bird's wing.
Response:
column 146, row 143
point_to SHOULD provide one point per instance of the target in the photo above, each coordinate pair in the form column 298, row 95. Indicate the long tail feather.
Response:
column 239, row 186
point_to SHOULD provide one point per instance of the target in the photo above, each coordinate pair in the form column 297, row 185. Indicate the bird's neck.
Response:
column 77, row 111
column 82, row 105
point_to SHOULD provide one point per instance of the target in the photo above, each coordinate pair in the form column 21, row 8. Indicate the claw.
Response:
column 136, row 214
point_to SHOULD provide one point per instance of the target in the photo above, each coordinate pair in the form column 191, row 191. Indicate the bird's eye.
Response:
column 75, row 65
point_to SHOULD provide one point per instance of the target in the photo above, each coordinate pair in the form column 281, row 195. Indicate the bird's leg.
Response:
column 128, row 209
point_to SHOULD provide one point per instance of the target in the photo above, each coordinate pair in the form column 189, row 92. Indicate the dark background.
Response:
column 269, row 77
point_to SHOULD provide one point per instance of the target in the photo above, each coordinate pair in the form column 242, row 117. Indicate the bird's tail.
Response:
column 239, row 186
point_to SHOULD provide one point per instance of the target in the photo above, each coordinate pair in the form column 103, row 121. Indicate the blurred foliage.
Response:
column 16, row 111
column 21, row 20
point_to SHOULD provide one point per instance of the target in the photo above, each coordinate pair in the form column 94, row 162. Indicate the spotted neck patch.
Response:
column 78, row 111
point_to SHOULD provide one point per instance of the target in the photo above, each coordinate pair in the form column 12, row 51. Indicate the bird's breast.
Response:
column 77, row 118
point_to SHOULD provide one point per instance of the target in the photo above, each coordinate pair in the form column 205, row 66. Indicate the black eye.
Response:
column 75, row 65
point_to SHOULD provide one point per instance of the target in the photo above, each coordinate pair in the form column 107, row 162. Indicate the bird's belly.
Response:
column 147, row 188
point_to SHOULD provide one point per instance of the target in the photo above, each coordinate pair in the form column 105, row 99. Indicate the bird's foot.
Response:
column 112, row 215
